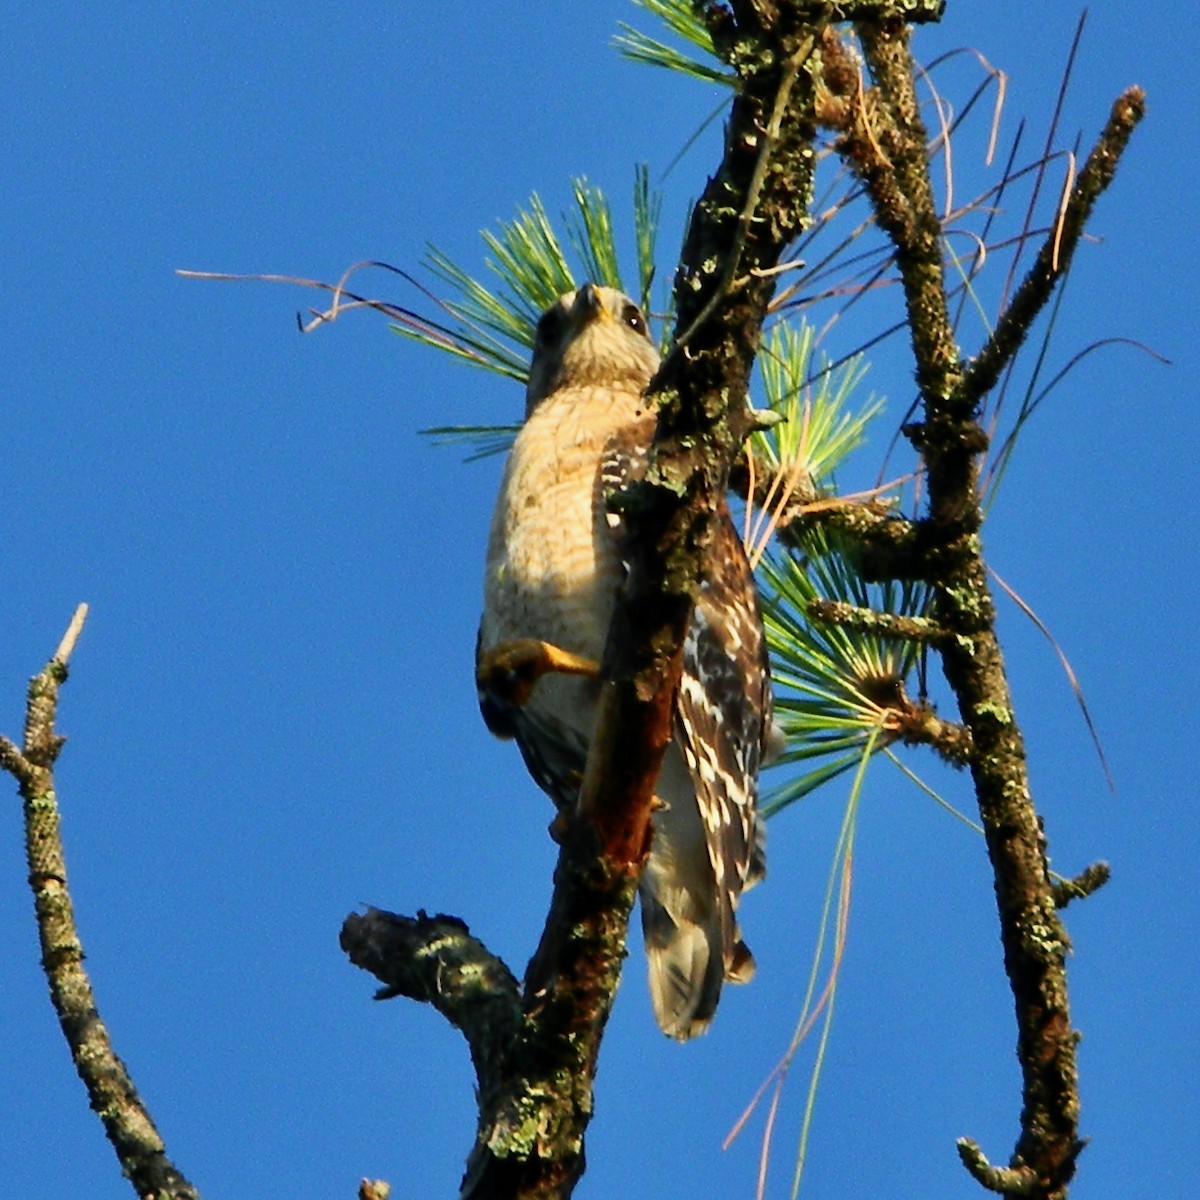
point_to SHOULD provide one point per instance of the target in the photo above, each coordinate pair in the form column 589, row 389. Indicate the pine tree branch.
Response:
column 111, row 1091
column 879, row 624
column 883, row 138
column 1091, row 879
column 916, row 12
column 537, row 1100
column 1054, row 258
column 530, row 1142
column 745, row 219
column 436, row 960
column 1035, row 942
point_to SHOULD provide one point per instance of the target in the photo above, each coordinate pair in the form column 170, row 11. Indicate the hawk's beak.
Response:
column 589, row 305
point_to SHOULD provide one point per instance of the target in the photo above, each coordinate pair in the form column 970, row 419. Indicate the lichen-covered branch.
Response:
column 436, row 960
column 753, row 207
column 1054, row 257
column 1035, row 942
column 884, row 140
column 111, row 1092
column 892, row 158
column 534, row 1047
column 914, row 11
column 880, row 624
column 1089, row 880
column 530, row 1141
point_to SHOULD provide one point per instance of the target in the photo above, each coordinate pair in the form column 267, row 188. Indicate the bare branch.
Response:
column 1008, row 1181
column 67, row 646
column 113, row 1097
column 1090, row 879
column 1054, row 258
column 915, row 11
column 882, row 624
column 436, row 960
column 530, row 1140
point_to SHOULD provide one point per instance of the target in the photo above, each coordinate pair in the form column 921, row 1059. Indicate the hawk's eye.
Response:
column 549, row 327
column 632, row 316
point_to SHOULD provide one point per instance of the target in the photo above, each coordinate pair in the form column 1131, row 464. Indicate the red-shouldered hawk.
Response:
column 553, row 571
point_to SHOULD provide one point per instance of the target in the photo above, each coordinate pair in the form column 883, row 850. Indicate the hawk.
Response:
column 553, row 572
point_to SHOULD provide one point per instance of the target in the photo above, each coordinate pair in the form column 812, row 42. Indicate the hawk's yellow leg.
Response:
column 512, row 669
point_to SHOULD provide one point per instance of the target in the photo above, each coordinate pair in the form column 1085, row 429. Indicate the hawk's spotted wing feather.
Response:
column 722, row 714
column 623, row 464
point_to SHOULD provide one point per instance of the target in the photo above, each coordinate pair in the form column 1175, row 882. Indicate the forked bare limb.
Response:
column 111, row 1092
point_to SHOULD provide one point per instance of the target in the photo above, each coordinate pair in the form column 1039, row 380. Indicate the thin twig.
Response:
column 67, row 645
column 126, row 1119
column 1054, row 258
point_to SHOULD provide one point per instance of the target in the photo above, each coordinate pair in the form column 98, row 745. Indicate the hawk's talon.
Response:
column 560, row 826
column 511, row 670
column 564, row 811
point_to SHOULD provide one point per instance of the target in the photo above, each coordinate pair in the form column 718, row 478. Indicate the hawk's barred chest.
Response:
column 552, row 564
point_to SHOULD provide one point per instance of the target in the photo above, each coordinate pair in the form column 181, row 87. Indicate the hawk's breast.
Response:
column 552, row 566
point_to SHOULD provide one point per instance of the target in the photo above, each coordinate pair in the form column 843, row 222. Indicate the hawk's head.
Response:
column 591, row 336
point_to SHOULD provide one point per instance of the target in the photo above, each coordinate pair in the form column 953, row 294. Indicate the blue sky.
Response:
column 272, row 714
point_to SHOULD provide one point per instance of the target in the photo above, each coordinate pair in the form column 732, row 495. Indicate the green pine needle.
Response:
column 532, row 265
column 679, row 16
column 820, row 426
column 647, row 209
column 485, row 441
column 829, row 678
column 591, row 235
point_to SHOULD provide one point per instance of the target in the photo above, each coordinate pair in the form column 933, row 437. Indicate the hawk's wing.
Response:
column 723, row 708
column 721, row 718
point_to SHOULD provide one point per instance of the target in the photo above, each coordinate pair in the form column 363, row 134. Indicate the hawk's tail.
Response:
column 687, row 968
